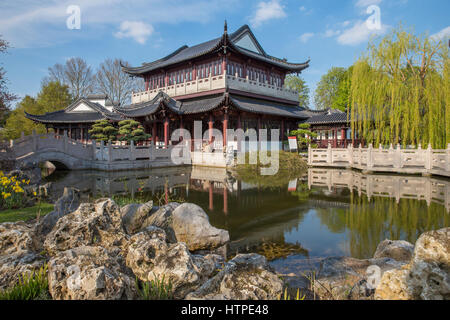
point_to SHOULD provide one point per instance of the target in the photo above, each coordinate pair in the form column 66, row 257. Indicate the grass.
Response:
column 33, row 286
column 25, row 214
column 157, row 289
column 158, row 199
column 291, row 166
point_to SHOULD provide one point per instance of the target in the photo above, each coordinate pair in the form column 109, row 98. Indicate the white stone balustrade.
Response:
column 409, row 161
column 385, row 186
column 217, row 82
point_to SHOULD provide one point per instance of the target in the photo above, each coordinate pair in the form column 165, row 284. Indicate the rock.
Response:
column 89, row 225
column 16, row 238
column 89, row 273
column 427, row 276
column 398, row 250
column 134, row 215
column 14, row 266
column 17, row 256
column 191, row 226
column 434, row 246
column 393, row 285
column 68, row 203
column 150, row 257
column 162, row 218
column 246, row 277
column 342, row 278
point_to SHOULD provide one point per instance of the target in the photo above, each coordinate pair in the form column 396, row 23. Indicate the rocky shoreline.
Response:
column 98, row 251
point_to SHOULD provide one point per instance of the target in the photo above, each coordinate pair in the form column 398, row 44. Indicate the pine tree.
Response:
column 131, row 130
column 103, row 130
column 304, row 136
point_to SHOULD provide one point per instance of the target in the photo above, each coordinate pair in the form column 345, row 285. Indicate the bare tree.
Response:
column 112, row 81
column 76, row 74
column 5, row 96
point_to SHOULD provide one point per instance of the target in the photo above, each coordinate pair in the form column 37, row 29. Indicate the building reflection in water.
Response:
column 326, row 212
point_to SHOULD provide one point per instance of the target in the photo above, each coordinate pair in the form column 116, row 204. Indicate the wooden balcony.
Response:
column 214, row 83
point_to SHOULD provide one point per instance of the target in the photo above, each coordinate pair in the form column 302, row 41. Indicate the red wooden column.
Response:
column 166, row 131
column 225, row 200
column 224, row 64
column 194, row 72
column 343, row 137
column 166, row 193
column 210, row 126
column 211, row 198
column 335, row 137
column 225, row 127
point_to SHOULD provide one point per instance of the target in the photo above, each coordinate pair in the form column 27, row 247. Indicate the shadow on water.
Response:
column 322, row 213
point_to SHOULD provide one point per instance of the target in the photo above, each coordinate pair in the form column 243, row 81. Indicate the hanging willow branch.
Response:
column 400, row 91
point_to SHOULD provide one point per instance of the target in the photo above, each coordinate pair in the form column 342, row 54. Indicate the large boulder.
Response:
column 15, row 265
column 17, row 252
column 398, row 250
column 162, row 218
column 151, row 257
column 134, row 215
column 89, row 273
column 69, row 202
column 341, row 278
column 191, row 226
column 245, row 277
column 16, row 237
column 90, row 225
column 427, row 277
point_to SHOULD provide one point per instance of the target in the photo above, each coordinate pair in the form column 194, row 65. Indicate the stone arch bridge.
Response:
column 66, row 153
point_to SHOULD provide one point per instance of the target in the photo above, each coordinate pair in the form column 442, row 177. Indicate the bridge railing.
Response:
column 26, row 145
column 399, row 160
column 386, row 186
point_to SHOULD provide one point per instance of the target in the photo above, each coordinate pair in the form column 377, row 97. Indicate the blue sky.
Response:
column 330, row 32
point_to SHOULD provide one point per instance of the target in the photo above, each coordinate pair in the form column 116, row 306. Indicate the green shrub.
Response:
column 32, row 286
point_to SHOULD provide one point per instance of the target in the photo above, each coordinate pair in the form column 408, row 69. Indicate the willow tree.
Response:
column 400, row 91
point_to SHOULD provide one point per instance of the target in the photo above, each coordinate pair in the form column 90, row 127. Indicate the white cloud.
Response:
column 331, row 33
column 359, row 33
column 267, row 11
column 302, row 8
column 366, row 3
column 444, row 33
column 40, row 23
column 306, row 36
column 137, row 30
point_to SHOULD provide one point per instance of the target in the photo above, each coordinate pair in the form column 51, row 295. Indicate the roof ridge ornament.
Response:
column 225, row 27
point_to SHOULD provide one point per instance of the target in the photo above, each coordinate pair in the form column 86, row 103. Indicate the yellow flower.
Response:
column 34, row 193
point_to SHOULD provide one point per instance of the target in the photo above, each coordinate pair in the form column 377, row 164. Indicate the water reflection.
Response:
column 323, row 213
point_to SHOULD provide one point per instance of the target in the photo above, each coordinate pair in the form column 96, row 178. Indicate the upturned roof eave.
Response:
column 218, row 44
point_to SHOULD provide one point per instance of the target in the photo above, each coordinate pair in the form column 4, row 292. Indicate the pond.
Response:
column 320, row 214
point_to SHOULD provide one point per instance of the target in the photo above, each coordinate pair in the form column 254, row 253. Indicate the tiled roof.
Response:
column 204, row 104
column 192, row 106
column 332, row 116
column 185, row 53
column 267, row 107
column 68, row 116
